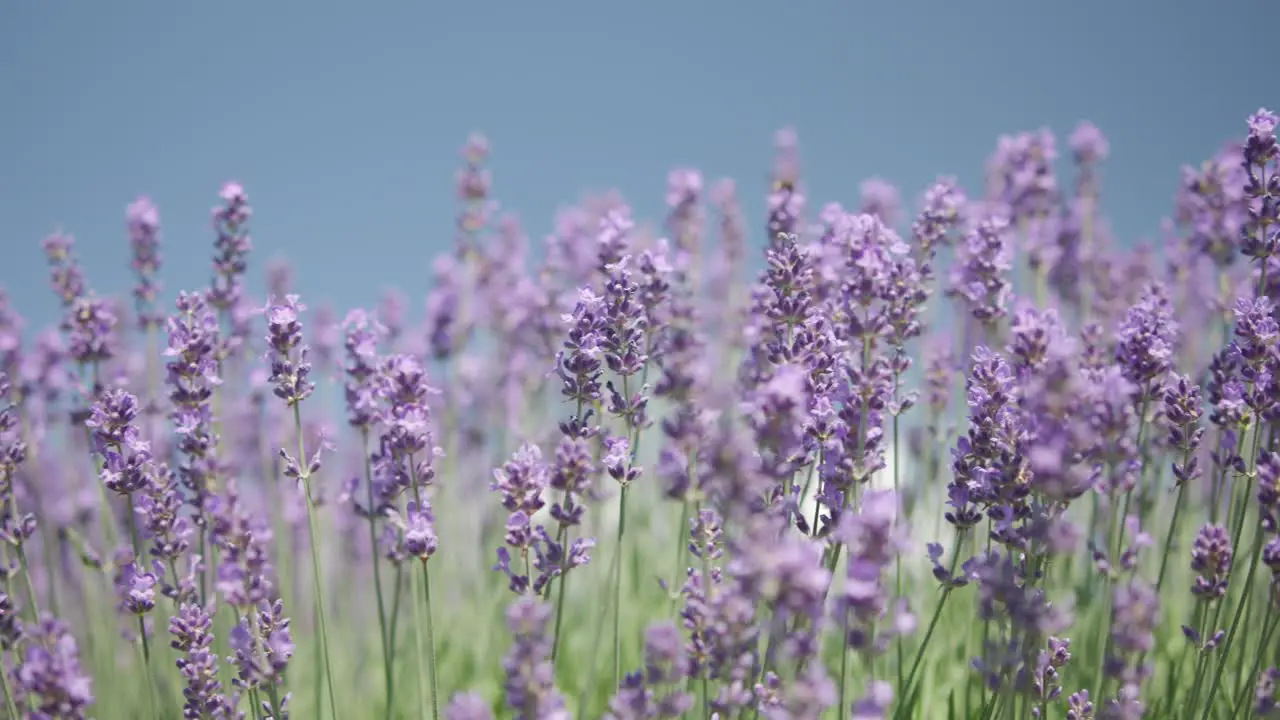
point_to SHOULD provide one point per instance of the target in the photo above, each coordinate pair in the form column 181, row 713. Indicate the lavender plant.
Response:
column 1091, row 533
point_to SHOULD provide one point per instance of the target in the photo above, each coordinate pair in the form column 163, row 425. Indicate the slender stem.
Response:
column 844, row 657
column 388, row 675
column 132, row 526
column 1202, row 627
column 431, row 644
column 1173, row 526
column 706, row 596
column 46, row 545
column 274, row 696
column 1235, row 624
column 1246, row 682
column 904, row 689
column 33, row 600
column 146, row 665
column 587, row 687
column 617, row 591
column 564, row 543
column 393, row 630
column 418, row 625
column 8, row 694
column 682, row 545
column 426, row 582
column 897, row 557
column 317, row 579
column 255, row 703
column 560, row 593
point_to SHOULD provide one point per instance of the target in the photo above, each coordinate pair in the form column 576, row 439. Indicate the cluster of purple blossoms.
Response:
column 262, row 646
column 128, row 465
column 473, row 185
column 91, row 331
column 244, row 574
column 1145, row 342
column 980, row 276
column 203, row 697
column 774, row 413
column 530, row 680
column 192, row 376
column 521, row 483
column 1211, row 557
column 447, row 330
column 873, row 540
column 1211, row 205
column 65, row 274
column 360, row 389
column 143, row 222
column 405, row 460
column 785, row 202
column 655, row 693
column 290, row 369
column 231, row 248
column 987, row 464
column 1021, row 173
column 49, row 677
column 1261, row 238
column 686, row 215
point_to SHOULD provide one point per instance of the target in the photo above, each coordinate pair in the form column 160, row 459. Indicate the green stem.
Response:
column 1173, row 526
column 388, row 675
column 904, row 689
column 897, row 558
column 617, row 591
column 393, row 631
column 426, row 585
column 8, row 694
column 588, row 686
column 418, row 625
column 1235, row 624
column 682, row 545
column 317, row 579
column 1246, row 682
column 274, row 696
column 142, row 626
column 706, row 595
column 564, row 575
column 33, row 600
column 431, row 644
column 146, row 664
column 1202, row 626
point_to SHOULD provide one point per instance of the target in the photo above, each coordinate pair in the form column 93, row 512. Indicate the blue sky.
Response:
column 344, row 120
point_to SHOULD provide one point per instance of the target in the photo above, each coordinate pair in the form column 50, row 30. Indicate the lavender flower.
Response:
column 653, row 693
column 468, row 706
column 520, row 483
column 64, row 269
column 143, row 221
column 530, row 684
column 193, row 637
column 362, row 333
column 49, row 676
column 90, row 324
column 1211, row 558
column 980, row 279
column 1261, row 238
column 232, row 247
column 1265, row 700
column 290, row 369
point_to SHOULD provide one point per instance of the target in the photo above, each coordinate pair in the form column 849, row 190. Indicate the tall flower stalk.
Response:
column 290, row 374
column 408, row 446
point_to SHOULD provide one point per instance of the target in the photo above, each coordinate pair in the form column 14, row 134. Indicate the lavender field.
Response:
column 970, row 458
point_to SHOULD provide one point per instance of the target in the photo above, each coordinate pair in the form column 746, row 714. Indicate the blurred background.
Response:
column 344, row 120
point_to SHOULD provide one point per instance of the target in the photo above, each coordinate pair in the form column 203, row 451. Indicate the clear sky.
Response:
column 343, row 119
